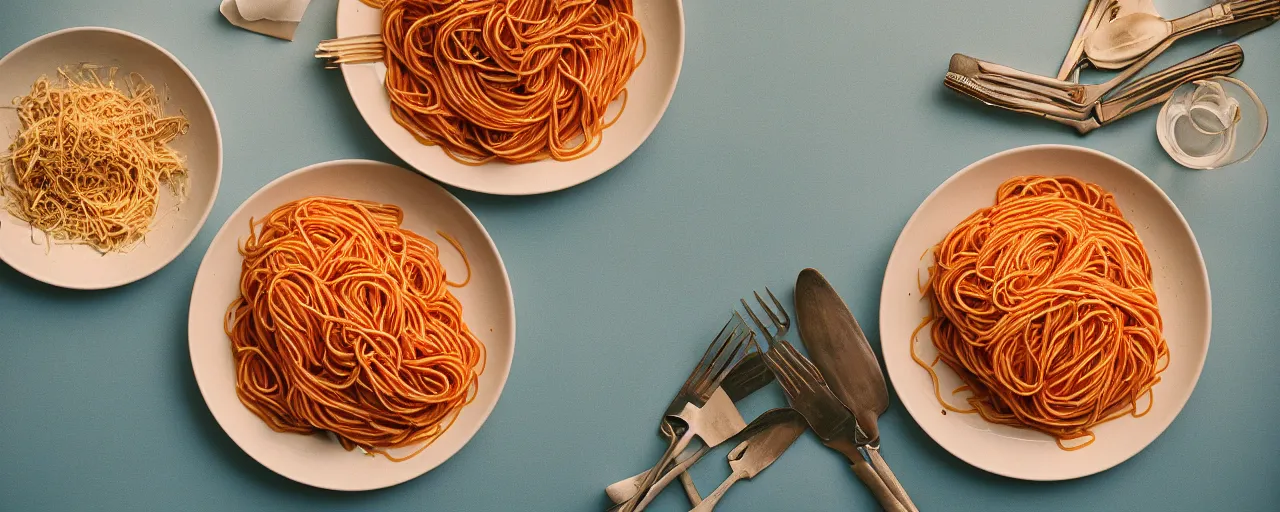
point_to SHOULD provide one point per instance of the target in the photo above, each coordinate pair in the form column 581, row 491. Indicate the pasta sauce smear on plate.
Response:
column 1044, row 307
column 345, row 324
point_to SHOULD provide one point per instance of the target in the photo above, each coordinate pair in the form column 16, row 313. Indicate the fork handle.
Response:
column 623, row 490
column 1076, row 50
column 709, row 504
column 1157, row 87
column 877, row 486
column 690, row 488
column 886, row 474
column 677, row 446
column 682, row 469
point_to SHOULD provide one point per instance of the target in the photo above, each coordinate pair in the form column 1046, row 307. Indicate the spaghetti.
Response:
column 89, row 162
column 345, row 324
column 1043, row 305
column 513, row 80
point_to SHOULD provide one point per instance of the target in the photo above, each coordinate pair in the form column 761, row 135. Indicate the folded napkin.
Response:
column 275, row 18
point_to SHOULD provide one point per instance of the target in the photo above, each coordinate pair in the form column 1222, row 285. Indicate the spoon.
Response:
column 756, row 453
column 1117, row 44
column 1097, row 13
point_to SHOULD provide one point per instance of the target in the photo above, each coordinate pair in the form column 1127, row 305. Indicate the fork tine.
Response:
column 353, row 59
column 726, row 352
column 799, row 383
column 773, row 317
column 768, row 336
column 784, row 375
column 803, row 368
column 785, row 324
column 808, row 368
column 351, row 50
column 350, row 41
column 713, row 351
column 741, row 346
column 741, row 340
column 786, row 359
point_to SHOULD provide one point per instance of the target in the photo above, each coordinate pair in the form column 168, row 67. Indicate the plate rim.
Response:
column 899, row 244
column 484, row 414
column 401, row 152
column 217, row 178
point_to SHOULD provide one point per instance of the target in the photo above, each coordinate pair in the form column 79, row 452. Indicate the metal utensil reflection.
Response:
column 1084, row 110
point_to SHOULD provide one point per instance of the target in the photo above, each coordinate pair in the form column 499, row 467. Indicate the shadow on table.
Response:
column 27, row 287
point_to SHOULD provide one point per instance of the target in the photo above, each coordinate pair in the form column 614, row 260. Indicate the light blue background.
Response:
column 802, row 134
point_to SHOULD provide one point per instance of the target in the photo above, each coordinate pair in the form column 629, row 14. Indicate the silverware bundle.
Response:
column 735, row 367
column 1122, row 35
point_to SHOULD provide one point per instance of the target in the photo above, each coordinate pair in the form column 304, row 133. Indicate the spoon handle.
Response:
column 1252, row 9
column 890, row 479
column 1158, row 86
column 1092, row 13
column 709, row 504
column 1200, row 20
column 623, row 490
column 1226, row 14
column 877, row 486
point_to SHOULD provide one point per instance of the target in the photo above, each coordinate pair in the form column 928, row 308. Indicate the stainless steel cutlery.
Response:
column 843, row 415
column 843, row 356
column 701, row 409
column 757, row 452
column 1123, row 35
column 827, row 416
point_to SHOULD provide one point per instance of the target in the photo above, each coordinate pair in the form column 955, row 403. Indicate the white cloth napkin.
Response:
column 275, row 18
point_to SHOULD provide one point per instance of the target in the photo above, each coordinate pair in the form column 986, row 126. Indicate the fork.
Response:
column 747, row 377
column 781, row 320
column 808, row 394
column 683, row 419
column 351, row 50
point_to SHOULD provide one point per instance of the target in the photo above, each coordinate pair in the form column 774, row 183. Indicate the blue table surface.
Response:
column 801, row 134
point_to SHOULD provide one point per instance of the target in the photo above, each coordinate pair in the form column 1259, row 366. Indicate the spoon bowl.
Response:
column 1116, row 44
column 1125, row 40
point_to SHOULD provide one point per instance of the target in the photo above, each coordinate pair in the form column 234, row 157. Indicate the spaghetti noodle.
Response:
column 513, row 80
column 89, row 162
column 1043, row 305
column 345, row 324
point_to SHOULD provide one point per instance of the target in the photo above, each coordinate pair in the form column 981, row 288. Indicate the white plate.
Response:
column 80, row 266
column 1182, row 290
column 649, row 92
column 487, row 308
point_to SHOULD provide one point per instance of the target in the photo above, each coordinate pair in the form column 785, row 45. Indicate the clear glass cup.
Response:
column 1210, row 124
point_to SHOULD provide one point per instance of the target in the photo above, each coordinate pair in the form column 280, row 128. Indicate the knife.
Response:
column 840, row 350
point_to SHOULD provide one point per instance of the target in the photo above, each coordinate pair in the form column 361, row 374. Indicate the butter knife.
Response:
column 840, row 351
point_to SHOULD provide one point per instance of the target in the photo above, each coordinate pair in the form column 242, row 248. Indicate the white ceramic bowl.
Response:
column 648, row 94
column 1182, row 290
column 177, row 221
column 487, row 308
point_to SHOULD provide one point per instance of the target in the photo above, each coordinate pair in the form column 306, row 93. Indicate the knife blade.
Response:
column 838, row 347
column 843, row 356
